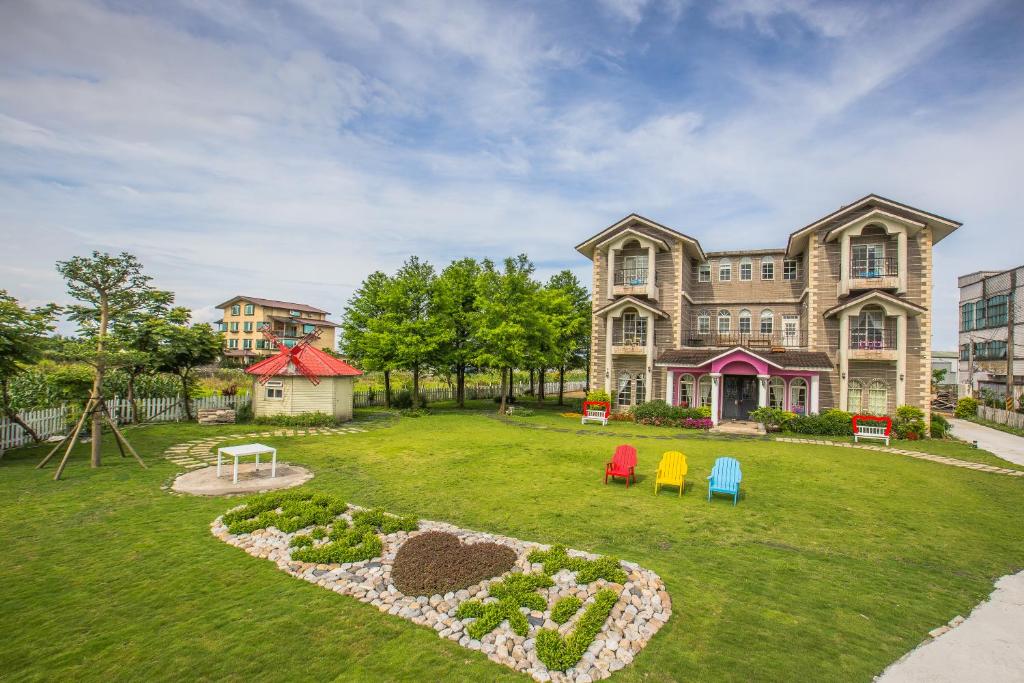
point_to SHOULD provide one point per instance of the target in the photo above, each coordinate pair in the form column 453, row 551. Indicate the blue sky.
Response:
column 287, row 149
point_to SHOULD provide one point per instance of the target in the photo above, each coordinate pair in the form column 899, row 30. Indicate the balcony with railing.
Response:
column 764, row 341
column 874, row 272
column 873, row 343
column 640, row 281
column 629, row 339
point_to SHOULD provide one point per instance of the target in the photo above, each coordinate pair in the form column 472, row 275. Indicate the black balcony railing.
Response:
column 875, row 267
column 631, row 277
column 752, row 340
column 872, row 338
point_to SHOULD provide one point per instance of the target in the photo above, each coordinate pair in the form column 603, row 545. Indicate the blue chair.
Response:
column 725, row 478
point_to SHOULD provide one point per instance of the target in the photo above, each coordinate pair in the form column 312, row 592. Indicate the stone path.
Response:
column 202, row 452
column 1007, row 446
column 987, row 646
column 941, row 459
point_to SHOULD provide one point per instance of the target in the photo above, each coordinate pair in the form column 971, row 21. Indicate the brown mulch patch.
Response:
column 435, row 563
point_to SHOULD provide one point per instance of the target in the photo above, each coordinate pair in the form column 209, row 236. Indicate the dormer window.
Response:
column 724, row 270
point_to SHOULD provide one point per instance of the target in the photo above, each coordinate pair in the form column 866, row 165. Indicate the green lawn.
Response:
column 834, row 564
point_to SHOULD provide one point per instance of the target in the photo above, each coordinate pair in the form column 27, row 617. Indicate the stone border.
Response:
column 643, row 605
column 941, row 459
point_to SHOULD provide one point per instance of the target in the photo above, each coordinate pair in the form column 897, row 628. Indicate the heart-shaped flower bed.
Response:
column 437, row 563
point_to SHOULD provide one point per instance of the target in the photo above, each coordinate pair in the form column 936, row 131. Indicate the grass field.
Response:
column 834, row 563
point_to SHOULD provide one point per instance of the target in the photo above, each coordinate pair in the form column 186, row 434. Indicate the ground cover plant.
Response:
column 436, row 563
column 518, row 590
column 560, row 653
column 354, row 543
column 557, row 558
column 837, row 564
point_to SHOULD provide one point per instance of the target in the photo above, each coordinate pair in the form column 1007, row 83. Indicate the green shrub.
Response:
column 565, row 608
column 288, row 512
column 358, row 542
column 403, row 400
column 243, row 413
column 518, row 590
column 773, row 419
column 939, row 426
column 661, row 414
column 966, row 407
column 599, row 395
column 414, row 412
column 301, row 541
column 559, row 653
column 315, row 419
column 606, row 568
column 909, row 423
column 832, row 422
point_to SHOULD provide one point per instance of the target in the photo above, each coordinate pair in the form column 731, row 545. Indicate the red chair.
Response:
column 623, row 464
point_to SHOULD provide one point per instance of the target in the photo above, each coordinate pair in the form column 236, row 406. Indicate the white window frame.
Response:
column 686, row 392
column 725, row 269
column 634, row 327
column 855, row 396
column 878, row 397
column 790, row 337
column 766, row 316
column 704, row 323
column 767, row 262
column 704, row 272
column 798, row 385
column 624, row 389
column 777, row 393
column 746, row 269
column 724, row 315
column 744, row 322
column 704, row 397
column 274, row 390
column 791, row 269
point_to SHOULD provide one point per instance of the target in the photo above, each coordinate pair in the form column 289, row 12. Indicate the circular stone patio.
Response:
column 204, row 482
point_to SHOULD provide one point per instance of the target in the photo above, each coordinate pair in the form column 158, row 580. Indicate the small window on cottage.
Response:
column 767, row 268
column 790, row 269
column 746, row 269
column 704, row 272
column 724, row 270
column 275, row 389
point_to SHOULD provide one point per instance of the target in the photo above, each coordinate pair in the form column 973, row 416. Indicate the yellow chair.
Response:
column 671, row 471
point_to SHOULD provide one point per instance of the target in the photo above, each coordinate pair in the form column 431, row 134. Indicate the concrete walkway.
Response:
column 988, row 646
column 1007, row 446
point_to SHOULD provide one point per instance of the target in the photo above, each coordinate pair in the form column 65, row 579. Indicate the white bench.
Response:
column 595, row 415
column 870, row 431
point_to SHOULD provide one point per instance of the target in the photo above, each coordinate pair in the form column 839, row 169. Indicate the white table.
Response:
column 247, row 449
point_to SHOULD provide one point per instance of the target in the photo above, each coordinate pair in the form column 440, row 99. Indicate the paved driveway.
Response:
column 1006, row 446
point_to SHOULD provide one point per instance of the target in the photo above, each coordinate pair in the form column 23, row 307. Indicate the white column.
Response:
column 611, row 272
column 901, row 360
column 762, row 390
column 844, row 264
column 608, row 324
column 715, row 381
column 649, row 368
column 813, row 398
column 901, row 253
column 844, row 360
column 670, row 386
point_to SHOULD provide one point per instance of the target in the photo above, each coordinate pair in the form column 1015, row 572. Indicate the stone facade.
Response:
column 841, row 315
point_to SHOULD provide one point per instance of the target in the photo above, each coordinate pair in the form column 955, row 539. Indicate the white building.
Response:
column 991, row 331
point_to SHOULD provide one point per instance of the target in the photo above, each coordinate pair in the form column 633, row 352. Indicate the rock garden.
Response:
column 547, row 611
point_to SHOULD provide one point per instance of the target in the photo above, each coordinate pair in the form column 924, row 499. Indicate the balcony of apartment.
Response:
column 755, row 341
column 628, row 338
column 874, row 343
column 636, row 281
column 874, row 272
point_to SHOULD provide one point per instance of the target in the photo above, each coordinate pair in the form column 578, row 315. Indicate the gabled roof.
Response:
column 942, row 226
column 304, row 321
column 321, row 364
column 787, row 360
column 626, row 301
column 632, row 231
column 273, row 303
column 876, row 295
column 587, row 247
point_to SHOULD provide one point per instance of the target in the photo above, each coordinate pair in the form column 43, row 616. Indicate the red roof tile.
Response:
column 320, row 363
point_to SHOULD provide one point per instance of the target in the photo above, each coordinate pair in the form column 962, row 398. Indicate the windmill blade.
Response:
column 274, row 366
column 265, row 329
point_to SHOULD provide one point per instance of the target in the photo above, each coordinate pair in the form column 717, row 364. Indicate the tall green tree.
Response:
column 107, row 289
column 414, row 332
column 568, row 309
column 181, row 347
column 138, row 331
column 365, row 334
column 23, row 335
column 454, row 304
column 509, row 319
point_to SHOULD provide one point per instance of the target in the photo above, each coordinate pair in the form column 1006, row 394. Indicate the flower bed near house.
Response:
column 552, row 613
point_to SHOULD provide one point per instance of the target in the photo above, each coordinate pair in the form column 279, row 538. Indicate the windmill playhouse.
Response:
column 302, row 379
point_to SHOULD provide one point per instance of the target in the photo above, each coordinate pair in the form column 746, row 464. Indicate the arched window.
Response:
column 746, row 269
column 798, row 395
column 704, row 386
column 686, row 391
column 855, row 396
column 624, row 396
column 776, row 393
column 724, row 320
column 724, row 270
column 767, row 321
column 704, row 323
column 767, row 268
column 744, row 321
column 878, row 398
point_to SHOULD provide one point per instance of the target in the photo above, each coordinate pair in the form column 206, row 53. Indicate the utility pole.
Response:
column 1010, row 346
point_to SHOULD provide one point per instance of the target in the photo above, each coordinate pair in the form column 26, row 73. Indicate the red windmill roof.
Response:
column 316, row 361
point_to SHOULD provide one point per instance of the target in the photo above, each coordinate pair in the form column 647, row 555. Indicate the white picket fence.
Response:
column 56, row 421
column 375, row 397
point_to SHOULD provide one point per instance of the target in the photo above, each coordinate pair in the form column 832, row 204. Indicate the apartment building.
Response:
column 839, row 317
column 992, row 332
column 244, row 317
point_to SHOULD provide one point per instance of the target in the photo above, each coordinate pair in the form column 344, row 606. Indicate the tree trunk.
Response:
column 460, row 385
column 14, row 417
column 185, row 397
column 97, row 383
column 531, row 380
column 511, row 388
column 416, row 386
column 501, row 403
column 134, row 407
column 387, row 388
column 540, row 387
column 561, row 384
